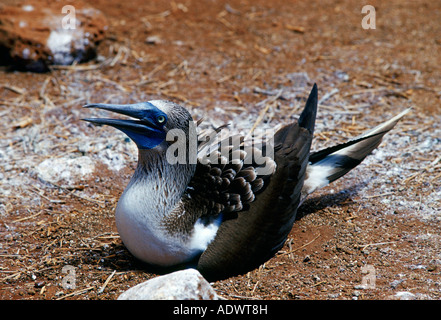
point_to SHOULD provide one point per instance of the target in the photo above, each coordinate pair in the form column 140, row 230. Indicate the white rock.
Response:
column 70, row 170
column 37, row 35
column 180, row 285
column 405, row 295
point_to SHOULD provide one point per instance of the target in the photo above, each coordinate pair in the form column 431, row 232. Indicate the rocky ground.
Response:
column 244, row 62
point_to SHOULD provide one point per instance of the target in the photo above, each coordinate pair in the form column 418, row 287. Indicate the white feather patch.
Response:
column 317, row 177
column 203, row 234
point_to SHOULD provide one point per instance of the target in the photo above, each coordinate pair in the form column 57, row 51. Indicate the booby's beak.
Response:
column 147, row 132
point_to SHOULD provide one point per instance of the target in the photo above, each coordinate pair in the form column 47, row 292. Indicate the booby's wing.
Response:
column 228, row 178
column 250, row 236
column 230, row 172
column 327, row 165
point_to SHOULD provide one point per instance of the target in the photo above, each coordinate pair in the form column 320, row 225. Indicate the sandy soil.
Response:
column 225, row 61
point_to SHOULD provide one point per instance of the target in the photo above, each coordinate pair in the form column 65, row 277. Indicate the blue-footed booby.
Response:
column 223, row 211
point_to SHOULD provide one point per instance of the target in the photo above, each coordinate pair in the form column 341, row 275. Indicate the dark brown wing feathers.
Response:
column 223, row 187
column 256, row 233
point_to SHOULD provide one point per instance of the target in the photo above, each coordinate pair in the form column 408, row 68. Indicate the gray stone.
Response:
column 180, row 285
column 65, row 169
column 405, row 295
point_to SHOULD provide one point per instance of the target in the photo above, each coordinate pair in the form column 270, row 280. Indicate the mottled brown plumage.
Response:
column 248, row 238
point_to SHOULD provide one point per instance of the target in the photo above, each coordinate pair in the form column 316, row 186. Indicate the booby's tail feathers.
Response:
column 307, row 117
column 327, row 165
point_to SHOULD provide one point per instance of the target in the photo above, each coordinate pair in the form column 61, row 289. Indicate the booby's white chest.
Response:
column 143, row 232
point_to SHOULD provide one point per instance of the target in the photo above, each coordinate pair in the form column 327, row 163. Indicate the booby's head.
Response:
column 155, row 119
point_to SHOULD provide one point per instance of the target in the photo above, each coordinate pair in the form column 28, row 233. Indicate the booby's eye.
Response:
column 161, row 119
